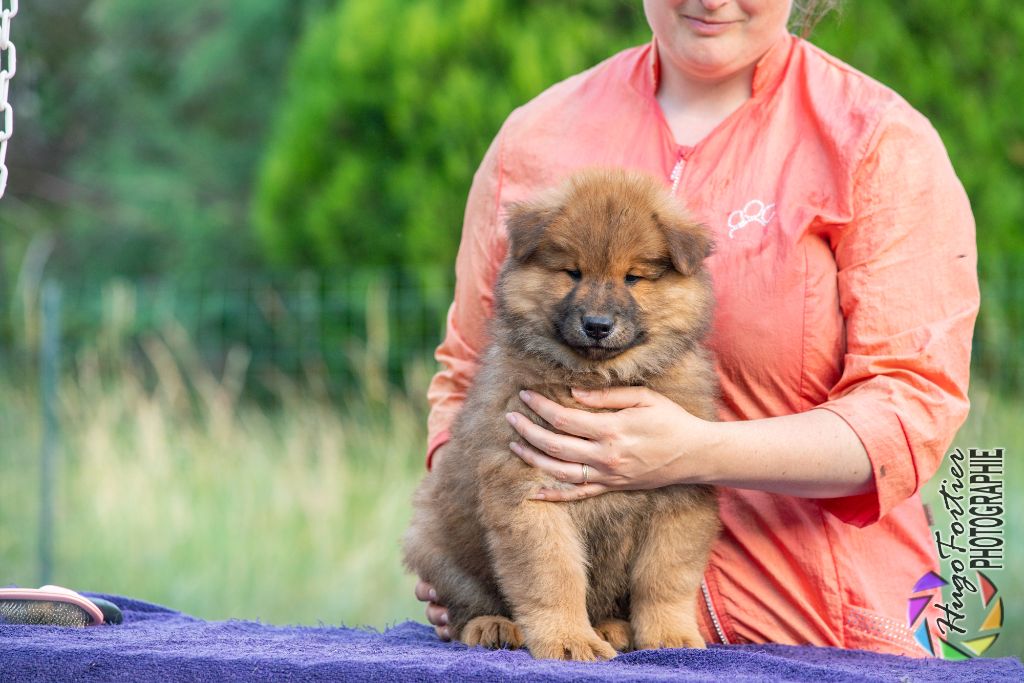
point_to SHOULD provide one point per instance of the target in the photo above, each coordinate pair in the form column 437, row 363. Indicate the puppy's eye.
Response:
column 575, row 275
column 632, row 279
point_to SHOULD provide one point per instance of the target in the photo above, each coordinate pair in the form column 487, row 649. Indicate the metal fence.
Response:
column 313, row 322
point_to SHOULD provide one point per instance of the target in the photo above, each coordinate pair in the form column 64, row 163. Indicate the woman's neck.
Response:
column 693, row 107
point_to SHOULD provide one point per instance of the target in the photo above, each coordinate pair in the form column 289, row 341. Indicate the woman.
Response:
column 845, row 278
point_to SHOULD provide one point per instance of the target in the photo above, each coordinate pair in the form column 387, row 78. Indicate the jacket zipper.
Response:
column 711, row 612
column 677, row 173
column 683, row 154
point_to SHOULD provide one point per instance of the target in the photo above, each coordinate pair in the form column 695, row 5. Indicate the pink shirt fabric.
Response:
column 845, row 277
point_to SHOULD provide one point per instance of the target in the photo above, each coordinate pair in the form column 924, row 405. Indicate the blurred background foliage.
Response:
column 253, row 199
column 139, row 126
column 189, row 140
column 384, row 128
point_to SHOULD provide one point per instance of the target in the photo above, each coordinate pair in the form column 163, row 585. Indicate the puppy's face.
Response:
column 605, row 274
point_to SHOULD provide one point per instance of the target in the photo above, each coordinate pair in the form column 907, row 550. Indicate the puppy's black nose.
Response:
column 597, row 326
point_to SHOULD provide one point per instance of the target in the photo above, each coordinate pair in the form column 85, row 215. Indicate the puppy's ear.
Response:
column 689, row 243
column 526, row 223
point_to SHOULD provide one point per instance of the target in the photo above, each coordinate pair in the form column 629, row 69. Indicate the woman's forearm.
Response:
column 812, row 455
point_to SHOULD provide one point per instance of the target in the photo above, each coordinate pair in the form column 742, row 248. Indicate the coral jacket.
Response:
column 845, row 277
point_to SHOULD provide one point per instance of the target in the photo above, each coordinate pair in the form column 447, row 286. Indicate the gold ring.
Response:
column 586, row 471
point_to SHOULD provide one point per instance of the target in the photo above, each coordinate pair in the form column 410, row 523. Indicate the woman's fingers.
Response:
column 575, row 493
column 425, row 592
column 568, row 420
column 436, row 614
column 614, row 398
column 561, row 446
column 569, row 472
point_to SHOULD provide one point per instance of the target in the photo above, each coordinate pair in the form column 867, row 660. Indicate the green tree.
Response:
column 138, row 129
column 390, row 106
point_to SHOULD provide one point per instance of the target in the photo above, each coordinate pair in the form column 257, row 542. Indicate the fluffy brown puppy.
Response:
column 604, row 285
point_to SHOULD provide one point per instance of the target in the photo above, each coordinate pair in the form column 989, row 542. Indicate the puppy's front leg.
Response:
column 540, row 564
column 667, row 574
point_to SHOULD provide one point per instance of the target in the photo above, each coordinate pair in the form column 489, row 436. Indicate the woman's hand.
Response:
column 644, row 444
column 649, row 441
column 436, row 614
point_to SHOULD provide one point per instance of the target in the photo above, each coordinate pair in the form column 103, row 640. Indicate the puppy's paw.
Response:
column 578, row 647
column 492, row 632
column 617, row 632
column 673, row 638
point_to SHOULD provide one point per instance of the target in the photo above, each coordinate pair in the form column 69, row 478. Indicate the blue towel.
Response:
column 156, row 643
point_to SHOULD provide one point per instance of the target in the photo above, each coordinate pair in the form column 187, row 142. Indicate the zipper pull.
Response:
column 677, row 173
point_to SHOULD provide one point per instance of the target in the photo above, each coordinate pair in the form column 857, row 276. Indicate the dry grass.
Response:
column 172, row 490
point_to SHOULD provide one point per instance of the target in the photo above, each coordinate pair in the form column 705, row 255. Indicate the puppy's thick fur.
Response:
column 604, row 285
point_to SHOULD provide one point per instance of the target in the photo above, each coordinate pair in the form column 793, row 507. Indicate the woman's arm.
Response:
column 476, row 269
column 651, row 442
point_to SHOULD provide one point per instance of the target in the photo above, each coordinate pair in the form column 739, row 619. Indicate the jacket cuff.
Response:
column 882, row 434
column 440, row 439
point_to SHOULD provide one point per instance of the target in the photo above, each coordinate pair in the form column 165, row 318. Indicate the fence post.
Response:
column 49, row 373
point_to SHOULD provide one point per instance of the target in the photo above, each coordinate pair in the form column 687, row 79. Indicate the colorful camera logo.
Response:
column 928, row 625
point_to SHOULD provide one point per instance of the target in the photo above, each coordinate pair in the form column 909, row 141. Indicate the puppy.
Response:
column 604, row 285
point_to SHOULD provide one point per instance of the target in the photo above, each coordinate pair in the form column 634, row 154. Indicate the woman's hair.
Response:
column 807, row 13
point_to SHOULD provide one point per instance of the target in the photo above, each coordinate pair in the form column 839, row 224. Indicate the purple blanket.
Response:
column 155, row 643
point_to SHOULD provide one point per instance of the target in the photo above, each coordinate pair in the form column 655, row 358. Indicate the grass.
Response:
column 173, row 490
column 180, row 494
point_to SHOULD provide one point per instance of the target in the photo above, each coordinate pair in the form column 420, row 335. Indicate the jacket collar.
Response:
column 767, row 72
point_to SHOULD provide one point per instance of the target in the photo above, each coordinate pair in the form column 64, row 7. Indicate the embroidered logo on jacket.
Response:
column 754, row 211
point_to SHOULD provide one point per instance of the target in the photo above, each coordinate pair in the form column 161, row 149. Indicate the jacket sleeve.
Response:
column 481, row 250
column 908, row 289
